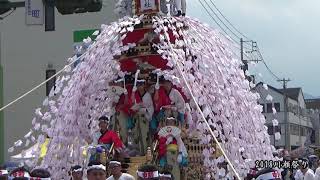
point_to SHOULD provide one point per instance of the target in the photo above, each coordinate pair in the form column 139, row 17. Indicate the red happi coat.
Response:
column 110, row 137
column 163, row 100
column 126, row 106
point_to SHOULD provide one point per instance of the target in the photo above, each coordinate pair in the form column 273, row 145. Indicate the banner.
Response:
column 78, row 45
column 34, row 12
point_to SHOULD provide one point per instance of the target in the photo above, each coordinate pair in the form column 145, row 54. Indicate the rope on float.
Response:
column 199, row 109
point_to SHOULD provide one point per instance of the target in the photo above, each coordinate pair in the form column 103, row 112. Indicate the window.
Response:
column 294, row 129
column 277, row 106
column 283, row 129
column 263, row 108
column 270, row 130
column 303, row 131
column 313, row 136
column 50, row 84
column 269, row 107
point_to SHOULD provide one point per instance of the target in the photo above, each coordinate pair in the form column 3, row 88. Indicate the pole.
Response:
column 2, row 134
column 287, row 124
column 245, row 62
column 274, row 135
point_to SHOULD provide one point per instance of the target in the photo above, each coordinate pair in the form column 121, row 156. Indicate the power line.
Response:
column 237, row 42
column 264, row 62
column 228, row 20
column 220, row 26
column 218, row 23
column 221, row 20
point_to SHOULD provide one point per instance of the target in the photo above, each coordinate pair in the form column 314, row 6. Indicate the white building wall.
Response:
column 26, row 52
column 294, row 118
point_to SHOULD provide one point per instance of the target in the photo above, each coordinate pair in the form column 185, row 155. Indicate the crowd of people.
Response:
column 299, row 169
column 94, row 171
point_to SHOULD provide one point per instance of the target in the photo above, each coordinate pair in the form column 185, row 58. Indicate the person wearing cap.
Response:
column 76, row 172
column 116, row 174
column 148, row 172
column 96, row 171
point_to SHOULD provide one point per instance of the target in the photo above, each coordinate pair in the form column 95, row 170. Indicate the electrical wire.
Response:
column 229, row 21
column 221, row 20
column 220, row 26
column 218, row 23
column 266, row 65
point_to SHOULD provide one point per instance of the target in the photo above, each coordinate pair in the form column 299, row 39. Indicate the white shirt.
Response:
column 317, row 174
column 177, row 99
column 148, row 105
column 309, row 175
column 124, row 176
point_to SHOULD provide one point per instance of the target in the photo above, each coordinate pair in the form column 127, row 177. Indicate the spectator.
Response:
column 40, row 173
column 268, row 174
column 96, row 171
column 148, row 172
column 3, row 173
column 76, row 172
column 115, row 169
column 304, row 172
column 20, row 173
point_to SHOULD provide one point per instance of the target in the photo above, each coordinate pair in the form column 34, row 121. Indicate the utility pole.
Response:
column 245, row 67
column 285, row 105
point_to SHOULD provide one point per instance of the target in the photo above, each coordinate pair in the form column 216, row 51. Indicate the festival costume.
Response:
column 143, row 117
column 110, row 137
column 172, row 150
column 178, row 101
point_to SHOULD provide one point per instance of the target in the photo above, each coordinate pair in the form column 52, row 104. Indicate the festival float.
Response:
column 203, row 121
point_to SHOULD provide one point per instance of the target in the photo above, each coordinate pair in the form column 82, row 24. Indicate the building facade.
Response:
column 301, row 125
column 29, row 55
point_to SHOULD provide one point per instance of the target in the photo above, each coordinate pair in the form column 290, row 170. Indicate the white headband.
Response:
column 98, row 167
column 153, row 174
column 77, row 170
column 115, row 162
column 3, row 172
column 19, row 174
column 37, row 178
column 165, row 175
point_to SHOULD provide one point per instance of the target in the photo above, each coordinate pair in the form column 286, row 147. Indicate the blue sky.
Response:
column 287, row 32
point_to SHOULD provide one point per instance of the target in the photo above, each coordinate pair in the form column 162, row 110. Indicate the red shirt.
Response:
column 110, row 137
column 163, row 100
column 125, row 106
